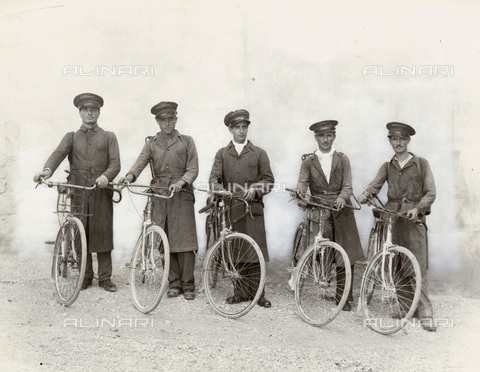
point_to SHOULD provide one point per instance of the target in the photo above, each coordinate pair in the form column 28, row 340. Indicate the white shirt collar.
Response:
column 402, row 163
column 321, row 154
column 239, row 146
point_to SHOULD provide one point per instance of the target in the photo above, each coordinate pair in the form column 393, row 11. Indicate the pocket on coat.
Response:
column 187, row 195
column 256, row 209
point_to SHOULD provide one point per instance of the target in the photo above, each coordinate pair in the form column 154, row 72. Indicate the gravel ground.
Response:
column 102, row 331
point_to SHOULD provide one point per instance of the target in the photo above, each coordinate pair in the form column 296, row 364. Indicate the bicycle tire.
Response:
column 298, row 245
column 375, row 240
column 316, row 283
column 69, row 261
column 375, row 244
column 388, row 304
column 210, row 240
column 148, row 283
column 223, row 272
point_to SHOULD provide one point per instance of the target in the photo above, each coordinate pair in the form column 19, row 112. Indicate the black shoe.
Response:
column 263, row 302
column 174, row 292
column 189, row 294
column 427, row 324
column 347, row 306
column 87, row 282
column 107, row 285
column 236, row 299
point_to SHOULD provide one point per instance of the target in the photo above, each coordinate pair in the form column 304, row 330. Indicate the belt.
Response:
column 88, row 169
column 169, row 176
column 404, row 200
column 336, row 193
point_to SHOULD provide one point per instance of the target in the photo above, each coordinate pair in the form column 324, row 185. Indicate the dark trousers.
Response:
column 104, row 260
column 182, row 266
column 341, row 277
column 247, row 287
column 405, row 297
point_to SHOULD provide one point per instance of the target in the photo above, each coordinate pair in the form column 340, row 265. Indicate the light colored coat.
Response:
column 173, row 160
column 409, row 187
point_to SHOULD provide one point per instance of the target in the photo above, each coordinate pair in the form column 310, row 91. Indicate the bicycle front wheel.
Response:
column 69, row 261
column 149, row 269
column 390, row 290
column 322, row 283
column 234, row 275
column 298, row 245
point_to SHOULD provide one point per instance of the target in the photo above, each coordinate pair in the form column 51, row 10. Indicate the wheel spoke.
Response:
column 149, row 269
column 322, row 283
column 390, row 290
column 234, row 267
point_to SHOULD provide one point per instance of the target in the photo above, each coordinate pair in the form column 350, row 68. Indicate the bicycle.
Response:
column 391, row 285
column 70, row 246
column 321, row 271
column 229, row 255
column 150, row 262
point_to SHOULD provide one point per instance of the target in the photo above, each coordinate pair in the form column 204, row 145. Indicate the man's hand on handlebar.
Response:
column 249, row 194
column 364, row 197
column 412, row 214
column 45, row 174
column 127, row 179
column 297, row 194
column 339, row 203
column 177, row 186
column 102, row 181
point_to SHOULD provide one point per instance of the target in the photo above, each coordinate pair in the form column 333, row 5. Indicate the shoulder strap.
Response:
column 305, row 156
column 149, row 140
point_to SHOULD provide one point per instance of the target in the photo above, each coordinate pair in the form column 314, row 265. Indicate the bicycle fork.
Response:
column 319, row 271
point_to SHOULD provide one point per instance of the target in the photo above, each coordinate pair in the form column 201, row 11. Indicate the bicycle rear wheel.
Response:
column 322, row 283
column 69, row 261
column 149, row 269
column 390, row 290
column 234, row 266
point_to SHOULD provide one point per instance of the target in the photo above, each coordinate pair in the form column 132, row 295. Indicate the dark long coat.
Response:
column 173, row 160
column 237, row 173
column 311, row 176
column 409, row 187
column 91, row 153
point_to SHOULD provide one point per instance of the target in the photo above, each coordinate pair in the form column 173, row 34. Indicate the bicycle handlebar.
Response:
column 229, row 195
column 371, row 201
column 64, row 184
column 131, row 187
column 313, row 204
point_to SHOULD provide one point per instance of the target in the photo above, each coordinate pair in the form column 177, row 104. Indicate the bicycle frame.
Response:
column 231, row 260
column 147, row 218
column 398, row 282
column 387, row 283
column 221, row 219
column 64, row 208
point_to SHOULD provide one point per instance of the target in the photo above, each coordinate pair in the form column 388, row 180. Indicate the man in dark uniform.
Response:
column 328, row 174
column 244, row 169
column 94, row 157
column 174, row 162
column 411, row 190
